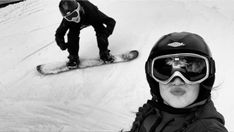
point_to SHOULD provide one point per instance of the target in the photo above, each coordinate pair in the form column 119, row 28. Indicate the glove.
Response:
column 62, row 46
column 61, row 43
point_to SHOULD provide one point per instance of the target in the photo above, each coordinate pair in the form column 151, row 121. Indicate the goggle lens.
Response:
column 74, row 14
column 193, row 68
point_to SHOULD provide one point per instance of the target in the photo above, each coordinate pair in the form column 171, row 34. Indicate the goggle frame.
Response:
column 178, row 73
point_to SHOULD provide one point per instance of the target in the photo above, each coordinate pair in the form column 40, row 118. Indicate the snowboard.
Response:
column 60, row 67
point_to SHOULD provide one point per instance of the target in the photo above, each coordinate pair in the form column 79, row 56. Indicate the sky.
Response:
column 101, row 98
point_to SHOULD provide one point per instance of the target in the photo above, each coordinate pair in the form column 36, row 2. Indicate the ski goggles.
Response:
column 73, row 16
column 191, row 68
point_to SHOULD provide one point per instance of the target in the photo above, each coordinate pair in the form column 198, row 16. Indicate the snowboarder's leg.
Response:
column 73, row 48
column 104, row 52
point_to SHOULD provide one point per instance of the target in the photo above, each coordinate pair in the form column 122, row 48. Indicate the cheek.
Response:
column 194, row 90
column 164, row 89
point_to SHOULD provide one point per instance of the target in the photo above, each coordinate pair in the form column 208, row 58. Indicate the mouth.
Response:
column 177, row 92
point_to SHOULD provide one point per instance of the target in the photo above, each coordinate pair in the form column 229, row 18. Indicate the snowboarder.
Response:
column 180, row 72
column 78, row 14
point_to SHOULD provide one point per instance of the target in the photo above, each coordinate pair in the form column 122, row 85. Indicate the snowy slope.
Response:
column 103, row 98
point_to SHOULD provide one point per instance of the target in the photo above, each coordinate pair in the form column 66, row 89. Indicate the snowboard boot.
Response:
column 106, row 56
column 73, row 62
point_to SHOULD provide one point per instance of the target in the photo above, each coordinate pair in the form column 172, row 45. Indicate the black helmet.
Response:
column 181, row 42
column 66, row 6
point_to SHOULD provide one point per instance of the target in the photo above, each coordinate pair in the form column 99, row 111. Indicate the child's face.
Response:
column 178, row 94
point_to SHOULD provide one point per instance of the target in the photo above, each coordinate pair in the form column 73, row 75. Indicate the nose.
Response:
column 177, row 81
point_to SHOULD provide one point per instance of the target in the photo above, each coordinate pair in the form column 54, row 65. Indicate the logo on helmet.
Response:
column 176, row 44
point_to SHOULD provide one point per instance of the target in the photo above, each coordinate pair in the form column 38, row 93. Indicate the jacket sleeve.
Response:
column 108, row 21
column 60, row 33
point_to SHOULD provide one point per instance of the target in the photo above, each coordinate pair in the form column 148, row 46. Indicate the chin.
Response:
column 179, row 106
column 178, row 103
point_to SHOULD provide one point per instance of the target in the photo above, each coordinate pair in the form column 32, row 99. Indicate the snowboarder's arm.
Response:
column 108, row 21
column 60, row 33
column 73, row 34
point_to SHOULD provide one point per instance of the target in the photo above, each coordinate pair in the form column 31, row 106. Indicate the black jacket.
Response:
column 101, row 23
column 204, row 118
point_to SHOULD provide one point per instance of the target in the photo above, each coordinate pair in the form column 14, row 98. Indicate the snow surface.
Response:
column 102, row 98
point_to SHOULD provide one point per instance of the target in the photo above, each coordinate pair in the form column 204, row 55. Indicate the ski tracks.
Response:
column 20, row 10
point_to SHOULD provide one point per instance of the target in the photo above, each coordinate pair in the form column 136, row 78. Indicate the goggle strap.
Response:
column 148, row 66
column 212, row 66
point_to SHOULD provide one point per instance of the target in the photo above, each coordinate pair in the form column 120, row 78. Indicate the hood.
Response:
column 208, row 111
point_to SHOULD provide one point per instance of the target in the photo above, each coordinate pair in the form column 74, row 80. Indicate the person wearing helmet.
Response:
column 78, row 14
column 180, row 72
